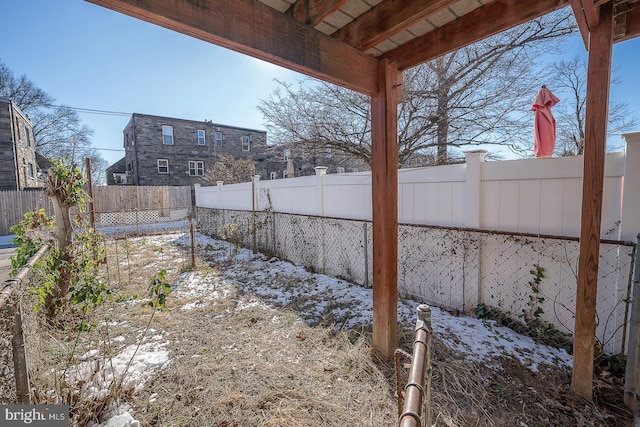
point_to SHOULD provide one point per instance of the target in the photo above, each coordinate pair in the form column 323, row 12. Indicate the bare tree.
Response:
column 58, row 130
column 570, row 77
column 231, row 170
column 478, row 95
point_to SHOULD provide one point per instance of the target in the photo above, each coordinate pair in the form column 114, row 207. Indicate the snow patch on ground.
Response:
column 133, row 366
column 280, row 283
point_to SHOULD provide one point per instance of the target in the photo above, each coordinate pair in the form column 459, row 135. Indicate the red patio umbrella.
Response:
column 544, row 125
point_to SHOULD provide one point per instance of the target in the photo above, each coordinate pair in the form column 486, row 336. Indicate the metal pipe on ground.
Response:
column 417, row 393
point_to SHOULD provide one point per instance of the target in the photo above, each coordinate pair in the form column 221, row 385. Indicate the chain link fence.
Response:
column 143, row 221
column 526, row 277
column 21, row 337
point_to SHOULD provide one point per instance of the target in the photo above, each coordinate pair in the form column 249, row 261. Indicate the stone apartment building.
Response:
column 18, row 167
column 169, row 151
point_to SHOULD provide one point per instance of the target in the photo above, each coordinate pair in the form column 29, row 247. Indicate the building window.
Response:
column 246, row 143
column 201, row 140
column 327, row 152
column 167, row 135
column 28, row 136
column 219, row 139
column 163, row 166
column 17, row 128
column 274, row 175
column 340, row 169
column 31, row 171
column 287, row 154
column 196, row 168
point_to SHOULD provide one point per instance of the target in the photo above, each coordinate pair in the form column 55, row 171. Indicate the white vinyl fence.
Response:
column 470, row 234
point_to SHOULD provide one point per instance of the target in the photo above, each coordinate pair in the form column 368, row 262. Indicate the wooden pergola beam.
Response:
column 312, row 12
column 386, row 20
column 581, row 20
column 384, row 172
column 257, row 30
column 476, row 25
column 597, row 102
column 591, row 12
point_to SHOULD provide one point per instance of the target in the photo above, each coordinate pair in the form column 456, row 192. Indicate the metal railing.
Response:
column 416, row 398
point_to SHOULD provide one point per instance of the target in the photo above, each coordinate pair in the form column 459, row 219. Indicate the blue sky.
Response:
column 90, row 57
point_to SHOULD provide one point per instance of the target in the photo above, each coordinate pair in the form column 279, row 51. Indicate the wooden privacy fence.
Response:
column 130, row 198
column 14, row 204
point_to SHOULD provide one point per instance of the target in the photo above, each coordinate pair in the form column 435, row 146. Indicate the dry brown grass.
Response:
column 236, row 360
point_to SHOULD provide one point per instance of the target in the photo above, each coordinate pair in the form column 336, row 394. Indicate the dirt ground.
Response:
column 238, row 360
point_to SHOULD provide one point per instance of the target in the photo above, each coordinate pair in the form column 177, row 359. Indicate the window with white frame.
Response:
column 167, row 135
column 327, row 152
column 246, row 143
column 218, row 139
column 201, row 137
column 163, row 166
column 340, row 169
column 196, row 168
column 274, row 175
column 287, row 154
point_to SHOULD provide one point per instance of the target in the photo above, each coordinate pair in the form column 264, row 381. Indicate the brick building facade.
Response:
column 18, row 167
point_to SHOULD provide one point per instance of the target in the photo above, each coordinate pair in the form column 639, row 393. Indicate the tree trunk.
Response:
column 62, row 234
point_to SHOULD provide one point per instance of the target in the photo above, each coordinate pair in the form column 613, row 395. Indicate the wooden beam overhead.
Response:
column 581, row 20
column 592, row 12
column 312, row 12
column 252, row 28
column 478, row 24
column 386, row 20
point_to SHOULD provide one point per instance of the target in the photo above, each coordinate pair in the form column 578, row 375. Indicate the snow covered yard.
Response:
column 251, row 341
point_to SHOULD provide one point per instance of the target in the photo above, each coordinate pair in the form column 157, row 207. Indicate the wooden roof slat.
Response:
column 386, row 20
column 313, row 12
column 255, row 29
column 480, row 23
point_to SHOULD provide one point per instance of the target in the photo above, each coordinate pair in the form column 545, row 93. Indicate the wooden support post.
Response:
column 20, row 366
column 92, row 215
column 384, row 155
column 598, row 82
